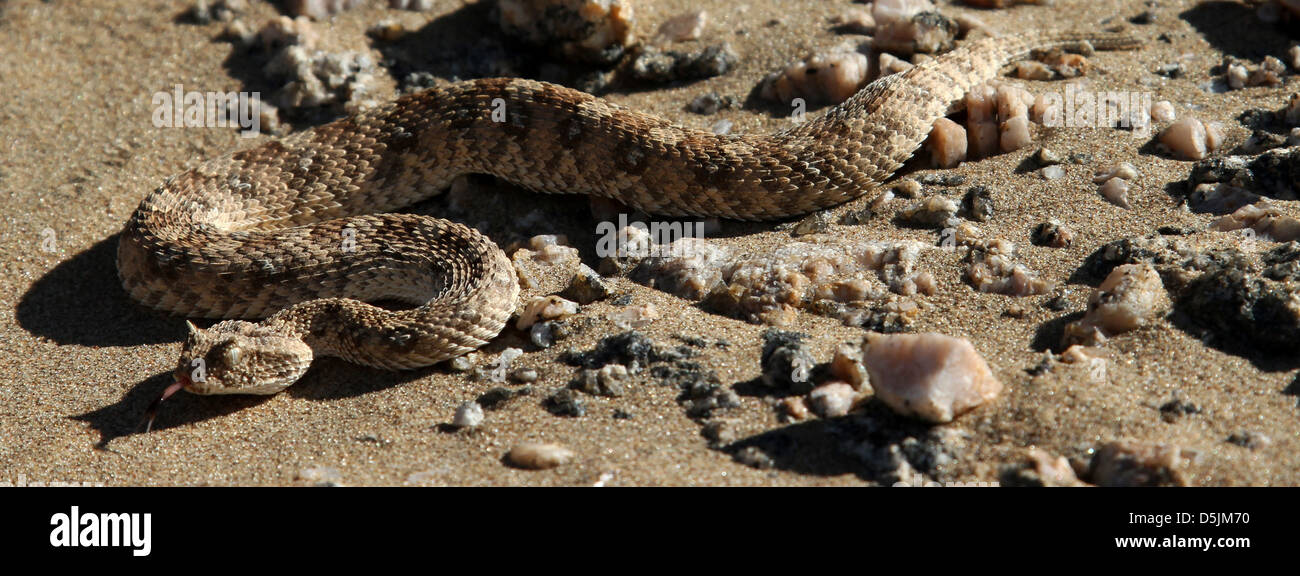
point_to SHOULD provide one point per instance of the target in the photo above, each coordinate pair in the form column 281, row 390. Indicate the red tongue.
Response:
column 167, row 392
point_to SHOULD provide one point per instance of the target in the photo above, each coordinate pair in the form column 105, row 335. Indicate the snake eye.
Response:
column 233, row 355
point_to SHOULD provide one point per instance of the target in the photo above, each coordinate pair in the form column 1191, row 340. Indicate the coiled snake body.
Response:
column 295, row 230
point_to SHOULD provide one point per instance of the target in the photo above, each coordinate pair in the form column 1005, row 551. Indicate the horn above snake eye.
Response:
column 234, row 355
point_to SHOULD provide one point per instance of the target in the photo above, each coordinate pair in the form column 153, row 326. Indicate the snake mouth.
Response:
column 152, row 412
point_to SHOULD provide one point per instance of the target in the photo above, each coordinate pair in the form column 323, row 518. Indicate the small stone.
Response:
column 634, row 317
column 787, row 362
column 1052, row 233
column 1047, row 157
column 795, row 408
column 1122, row 170
column 323, row 476
column 978, row 204
column 1130, row 463
column 1189, row 138
column 1131, row 297
column 462, row 363
column 719, row 432
column 689, row 26
column 319, row 9
column 413, row 5
column 947, row 143
column 545, row 308
column 524, row 375
column 712, row 103
column 1250, row 440
column 827, row 78
column 815, row 223
column 587, row 286
column 468, row 415
column 565, row 403
column 754, row 457
column 495, row 397
column 1115, row 191
column 1051, row 173
column 832, row 399
column 1163, row 112
column 907, row 188
column 932, row 212
column 847, row 366
column 929, row 376
column 856, row 21
column 538, row 456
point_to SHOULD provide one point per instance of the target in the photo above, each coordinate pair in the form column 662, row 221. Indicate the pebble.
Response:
column 992, row 268
column 462, row 363
column 1052, row 233
column 323, row 476
column 932, row 212
column 538, row 456
column 1264, row 218
column 1047, row 157
column 978, row 204
column 911, row 26
column 413, row 5
column 947, row 143
column 587, row 286
column 795, row 408
column 542, row 334
column 689, row 26
column 609, row 380
column 1115, row 191
column 1192, row 139
column 1293, row 57
column 712, row 103
column 524, row 375
column 1051, row 172
column 719, row 432
column 657, row 66
column 929, row 376
column 825, row 78
column 846, row 365
column 1131, row 297
column 565, row 403
column 589, row 31
column 1250, row 440
column 1132, row 463
column 832, row 399
column 634, row 317
column 205, row 11
column 1123, row 170
column 1163, row 112
column 815, row 223
column 787, row 361
column 856, row 21
column 545, row 308
column 468, row 415
column 319, row 9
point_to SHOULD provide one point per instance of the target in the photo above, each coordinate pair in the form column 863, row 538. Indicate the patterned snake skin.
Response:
column 294, row 230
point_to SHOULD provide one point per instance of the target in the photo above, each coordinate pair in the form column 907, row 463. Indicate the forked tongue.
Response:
column 167, row 392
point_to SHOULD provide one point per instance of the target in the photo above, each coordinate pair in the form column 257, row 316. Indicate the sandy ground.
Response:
column 79, row 361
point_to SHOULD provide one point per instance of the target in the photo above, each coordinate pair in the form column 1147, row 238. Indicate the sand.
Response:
column 79, row 361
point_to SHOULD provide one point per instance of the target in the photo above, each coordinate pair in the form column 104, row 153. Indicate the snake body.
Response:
column 297, row 230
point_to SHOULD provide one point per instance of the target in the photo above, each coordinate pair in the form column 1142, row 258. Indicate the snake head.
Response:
column 237, row 357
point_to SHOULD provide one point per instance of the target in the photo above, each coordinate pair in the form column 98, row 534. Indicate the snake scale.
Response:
column 298, row 231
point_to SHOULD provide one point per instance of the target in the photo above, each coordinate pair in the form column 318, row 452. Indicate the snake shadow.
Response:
column 80, row 301
column 126, row 417
column 328, row 379
column 1234, row 29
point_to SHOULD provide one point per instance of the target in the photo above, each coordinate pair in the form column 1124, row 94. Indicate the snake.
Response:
column 291, row 243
